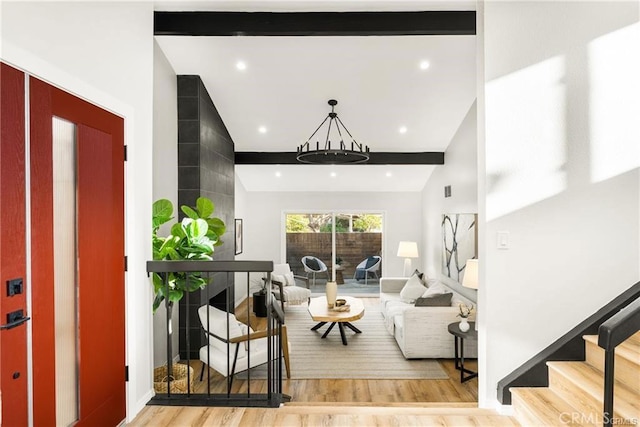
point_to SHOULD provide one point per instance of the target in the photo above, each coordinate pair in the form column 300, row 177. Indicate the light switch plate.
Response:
column 503, row 240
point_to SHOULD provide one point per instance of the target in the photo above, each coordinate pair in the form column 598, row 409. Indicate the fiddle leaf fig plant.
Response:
column 193, row 238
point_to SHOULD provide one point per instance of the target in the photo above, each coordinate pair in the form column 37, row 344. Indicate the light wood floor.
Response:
column 339, row 401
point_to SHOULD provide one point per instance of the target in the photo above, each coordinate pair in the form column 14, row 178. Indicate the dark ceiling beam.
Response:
column 314, row 23
column 375, row 158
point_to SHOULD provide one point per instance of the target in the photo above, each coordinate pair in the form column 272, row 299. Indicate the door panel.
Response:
column 13, row 342
column 42, row 273
column 101, row 266
column 100, row 261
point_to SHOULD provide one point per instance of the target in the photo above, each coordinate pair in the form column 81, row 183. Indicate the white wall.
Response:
column 103, row 52
column 165, row 175
column 262, row 213
column 461, row 173
column 242, row 210
column 562, row 157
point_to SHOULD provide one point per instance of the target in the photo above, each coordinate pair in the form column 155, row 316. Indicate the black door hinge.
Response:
column 126, row 263
column 126, row 373
column 125, row 153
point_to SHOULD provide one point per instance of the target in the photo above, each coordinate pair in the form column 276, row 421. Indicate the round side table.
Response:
column 459, row 337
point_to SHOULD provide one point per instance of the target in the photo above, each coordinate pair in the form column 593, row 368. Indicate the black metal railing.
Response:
column 252, row 343
column 611, row 334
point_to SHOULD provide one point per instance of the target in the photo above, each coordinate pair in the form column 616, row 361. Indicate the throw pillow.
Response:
column 371, row 261
column 289, row 280
column 278, row 278
column 435, row 289
column 412, row 290
column 442, row 300
column 312, row 263
column 423, row 277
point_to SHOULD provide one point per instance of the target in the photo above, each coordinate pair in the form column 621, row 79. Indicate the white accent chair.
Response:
column 311, row 269
column 284, row 288
column 247, row 348
column 373, row 268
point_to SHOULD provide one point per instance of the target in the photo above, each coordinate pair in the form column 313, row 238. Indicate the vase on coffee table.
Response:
column 332, row 293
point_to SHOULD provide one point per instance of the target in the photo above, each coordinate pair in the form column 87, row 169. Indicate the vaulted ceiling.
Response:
column 395, row 94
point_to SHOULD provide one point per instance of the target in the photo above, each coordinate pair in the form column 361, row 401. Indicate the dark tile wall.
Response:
column 205, row 168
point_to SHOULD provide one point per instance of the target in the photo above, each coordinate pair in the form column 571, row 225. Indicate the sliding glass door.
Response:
column 348, row 244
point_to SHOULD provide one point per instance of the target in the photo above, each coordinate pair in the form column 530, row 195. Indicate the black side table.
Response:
column 260, row 304
column 459, row 337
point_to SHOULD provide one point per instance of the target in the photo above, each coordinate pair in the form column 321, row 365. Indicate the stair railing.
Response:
column 611, row 334
column 275, row 334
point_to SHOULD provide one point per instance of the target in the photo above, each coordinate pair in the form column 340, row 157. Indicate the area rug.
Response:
column 373, row 354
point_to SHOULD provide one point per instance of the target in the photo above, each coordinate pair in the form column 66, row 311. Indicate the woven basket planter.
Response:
column 178, row 380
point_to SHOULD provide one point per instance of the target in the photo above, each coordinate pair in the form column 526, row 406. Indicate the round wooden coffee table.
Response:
column 321, row 313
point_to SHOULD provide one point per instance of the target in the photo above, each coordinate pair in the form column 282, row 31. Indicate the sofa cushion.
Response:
column 435, row 289
column 218, row 326
column 442, row 300
column 412, row 290
column 393, row 309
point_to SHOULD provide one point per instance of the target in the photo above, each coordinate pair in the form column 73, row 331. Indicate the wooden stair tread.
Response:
column 630, row 349
column 591, row 381
column 546, row 406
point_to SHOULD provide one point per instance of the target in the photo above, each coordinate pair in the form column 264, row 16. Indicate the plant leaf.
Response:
column 176, row 230
column 205, row 207
column 189, row 212
column 217, row 225
column 162, row 212
column 195, row 229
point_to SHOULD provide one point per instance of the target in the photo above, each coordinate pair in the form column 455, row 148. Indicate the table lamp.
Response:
column 470, row 279
column 407, row 250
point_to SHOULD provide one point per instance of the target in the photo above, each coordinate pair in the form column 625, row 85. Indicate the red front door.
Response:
column 13, row 340
column 99, row 203
column 78, row 345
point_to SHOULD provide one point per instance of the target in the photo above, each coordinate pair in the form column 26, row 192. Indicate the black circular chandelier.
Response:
column 340, row 153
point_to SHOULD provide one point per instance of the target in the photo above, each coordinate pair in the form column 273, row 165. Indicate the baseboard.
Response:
column 139, row 405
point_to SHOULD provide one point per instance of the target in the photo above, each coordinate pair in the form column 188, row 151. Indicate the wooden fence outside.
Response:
column 352, row 248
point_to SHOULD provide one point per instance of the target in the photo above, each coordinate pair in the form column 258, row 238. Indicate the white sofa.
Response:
column 421, row 332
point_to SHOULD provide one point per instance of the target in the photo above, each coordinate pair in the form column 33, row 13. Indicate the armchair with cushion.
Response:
column 284, row 285
column 368, row 265
column 247, row 348
column 313, row 265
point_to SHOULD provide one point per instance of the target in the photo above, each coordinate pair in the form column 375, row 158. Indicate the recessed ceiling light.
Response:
column 333, row 174
column 388, row 174
column 424, row 65
column 241, row 65
column 402, row 129
column 262, row 129
column 278, row 174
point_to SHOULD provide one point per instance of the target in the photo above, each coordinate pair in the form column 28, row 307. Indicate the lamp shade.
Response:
column 470, row 279
column 408, row 250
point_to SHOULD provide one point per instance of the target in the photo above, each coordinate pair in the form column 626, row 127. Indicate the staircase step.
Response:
column 582, row 386
column 627, row 361
column 540, row 406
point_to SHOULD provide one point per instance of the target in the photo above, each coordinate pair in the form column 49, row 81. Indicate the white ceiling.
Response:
column 378, row 84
